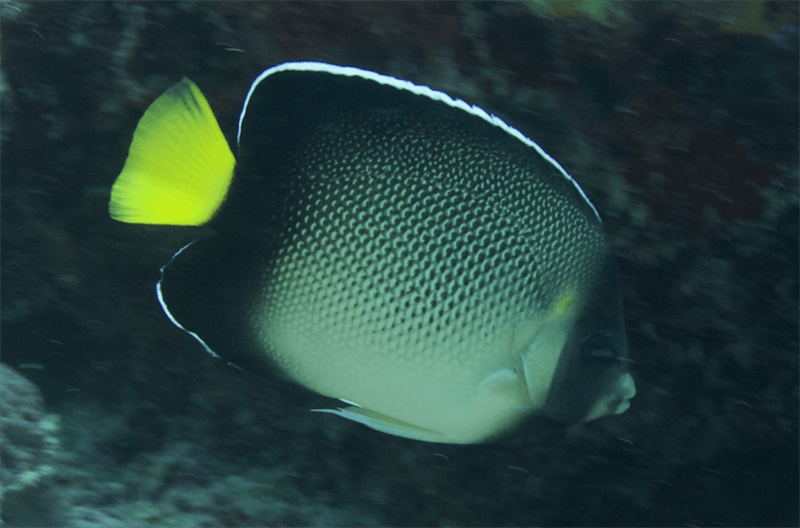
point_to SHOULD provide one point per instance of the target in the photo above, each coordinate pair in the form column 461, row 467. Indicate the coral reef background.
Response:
column 680, row 121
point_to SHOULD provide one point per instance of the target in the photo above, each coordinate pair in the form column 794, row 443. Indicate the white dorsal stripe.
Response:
column 349, row 71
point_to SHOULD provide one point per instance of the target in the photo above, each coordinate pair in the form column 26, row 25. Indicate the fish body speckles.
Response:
column 409, row 254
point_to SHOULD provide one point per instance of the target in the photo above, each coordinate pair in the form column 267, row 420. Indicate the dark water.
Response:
column 681, row 124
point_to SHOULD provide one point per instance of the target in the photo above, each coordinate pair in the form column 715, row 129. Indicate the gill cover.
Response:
column 591, row 378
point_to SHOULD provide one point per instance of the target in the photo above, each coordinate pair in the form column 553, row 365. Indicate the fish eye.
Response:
column 600, row 348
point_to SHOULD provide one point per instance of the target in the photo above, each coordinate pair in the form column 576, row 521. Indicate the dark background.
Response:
column 680, row 121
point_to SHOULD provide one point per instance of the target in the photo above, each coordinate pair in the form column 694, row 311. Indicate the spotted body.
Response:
column 387, row 245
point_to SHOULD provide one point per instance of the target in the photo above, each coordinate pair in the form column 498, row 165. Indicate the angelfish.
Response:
column 387, row 245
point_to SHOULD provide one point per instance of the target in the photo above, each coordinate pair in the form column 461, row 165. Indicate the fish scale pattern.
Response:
column 423, row 245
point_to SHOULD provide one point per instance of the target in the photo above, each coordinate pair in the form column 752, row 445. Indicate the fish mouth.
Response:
column 616, row 402
column 620, row 401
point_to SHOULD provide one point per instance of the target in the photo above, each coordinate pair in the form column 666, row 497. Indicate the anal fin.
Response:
column 387, row 424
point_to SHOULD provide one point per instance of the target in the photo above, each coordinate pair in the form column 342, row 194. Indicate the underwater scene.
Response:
column 399, row 264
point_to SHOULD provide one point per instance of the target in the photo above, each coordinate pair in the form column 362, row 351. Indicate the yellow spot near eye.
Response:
column 564, row 305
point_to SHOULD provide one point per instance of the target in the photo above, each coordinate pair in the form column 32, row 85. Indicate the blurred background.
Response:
column 679, row 120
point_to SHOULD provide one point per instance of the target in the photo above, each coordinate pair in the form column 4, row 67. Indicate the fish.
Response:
column 386, row 245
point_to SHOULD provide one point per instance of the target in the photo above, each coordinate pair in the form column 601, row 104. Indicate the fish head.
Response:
column 591, row 377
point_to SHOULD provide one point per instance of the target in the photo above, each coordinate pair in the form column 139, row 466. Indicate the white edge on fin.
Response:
column 377, row 423
column 340, row 411
column 163, row 303
column 436, row 95
column 344, row 413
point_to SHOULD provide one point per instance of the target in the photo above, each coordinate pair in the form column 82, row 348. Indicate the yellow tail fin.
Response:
column 179, row 166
